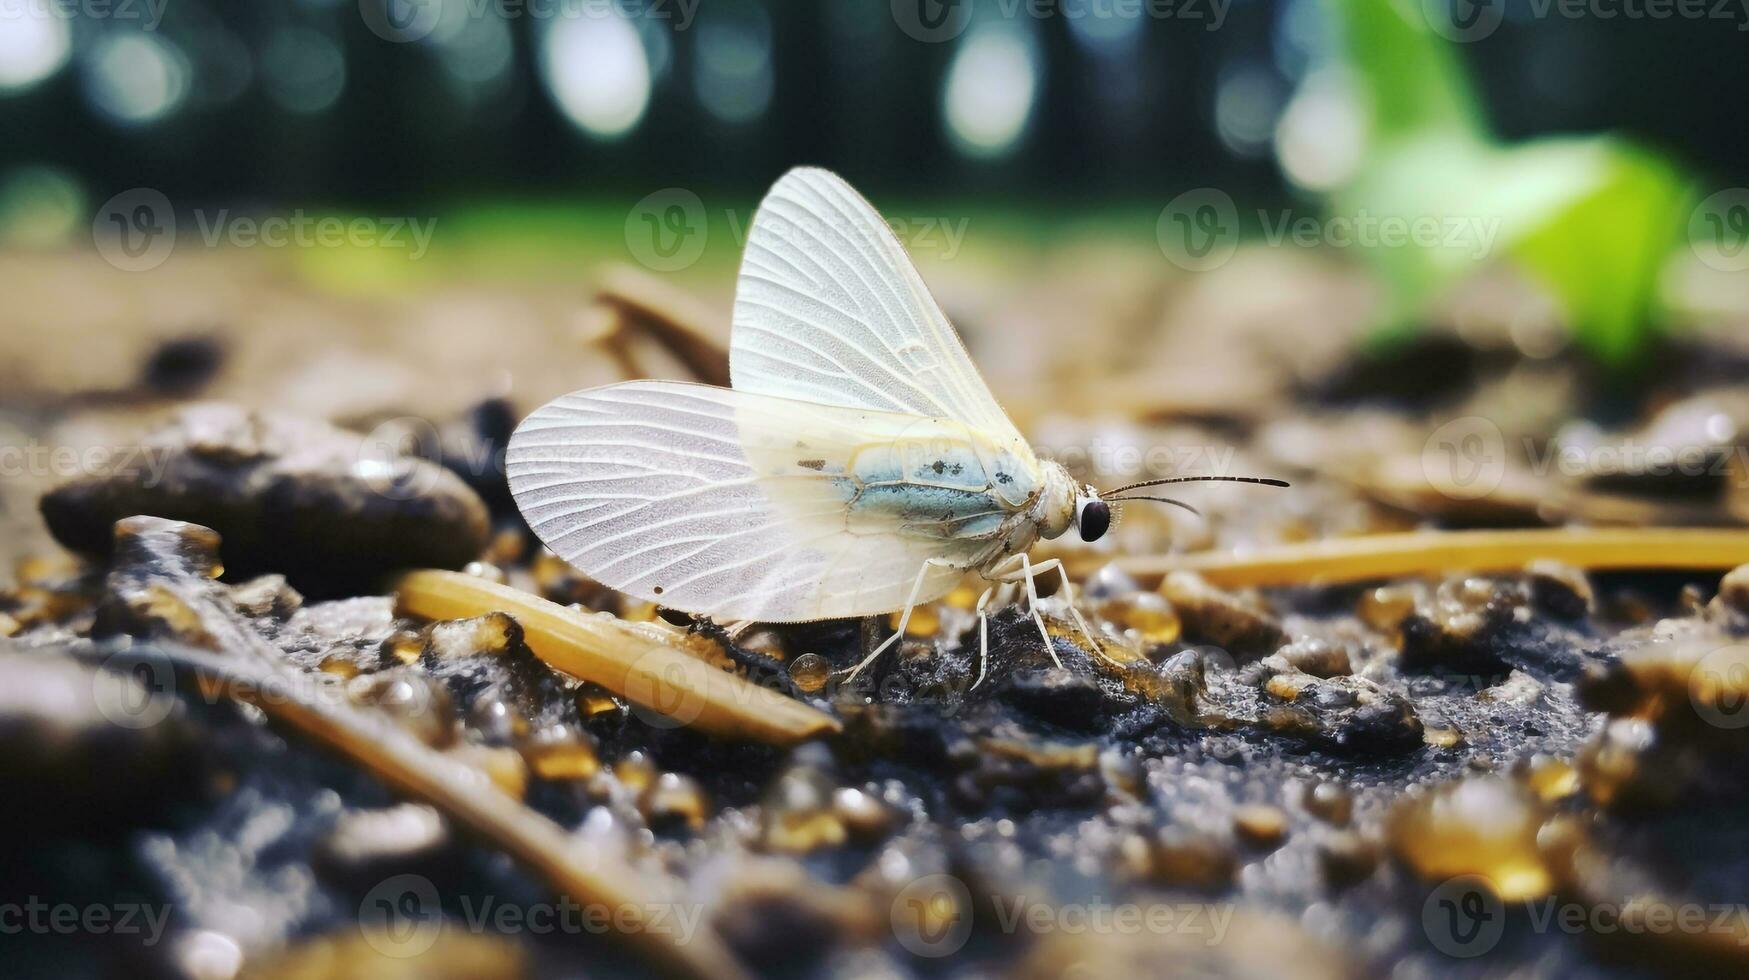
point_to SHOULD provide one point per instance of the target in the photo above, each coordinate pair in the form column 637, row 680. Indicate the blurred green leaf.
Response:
column 1592, row 218
column 1413, row 78
column 1602, row 252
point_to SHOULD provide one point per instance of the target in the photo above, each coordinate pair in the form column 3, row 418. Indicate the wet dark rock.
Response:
column 1057, row 697
column 771, row 912
column 1189, row 859
column 1733, row 597
column 496, row 680
column 1330, row 803
column 1260, row 826
column 1020, row 774
column 675, row 804
column 562, row 753
column 413, row 700
column 798, row 815
column 1238, row 624
column 161, row 586
column 1345, row 713
column 492, row 635
column 267, row 596
column 1345, row 859
column 367, row 845
column 1679, row 705
column 1425, row 372
column 1455, row 631
column 355, row 629
column 1702, row 884
column 474, row 447
column 862, row 813
column 1319, row 658
column 181, row 367
column 85, row 748
column 1560, row 590
column 288, row 495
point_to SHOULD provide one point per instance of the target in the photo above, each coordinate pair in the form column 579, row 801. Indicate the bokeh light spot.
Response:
column 598, row 73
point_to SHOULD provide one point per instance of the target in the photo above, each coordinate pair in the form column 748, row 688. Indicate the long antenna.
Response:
column 1159, row 500
column 1260, row 480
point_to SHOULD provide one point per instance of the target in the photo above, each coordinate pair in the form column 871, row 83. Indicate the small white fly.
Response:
column 858, row 466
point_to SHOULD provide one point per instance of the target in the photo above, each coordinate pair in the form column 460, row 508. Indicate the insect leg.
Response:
column 904, row 620
column 1056, row 565
column 1032, row 606
column 983, row 637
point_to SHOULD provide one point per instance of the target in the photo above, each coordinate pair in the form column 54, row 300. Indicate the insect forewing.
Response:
column 830, row 309
column 736, row 504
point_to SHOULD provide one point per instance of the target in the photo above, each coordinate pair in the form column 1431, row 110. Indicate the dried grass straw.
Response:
column 1419, row 553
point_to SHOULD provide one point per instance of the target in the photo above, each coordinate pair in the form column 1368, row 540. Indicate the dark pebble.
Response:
column 288, row 495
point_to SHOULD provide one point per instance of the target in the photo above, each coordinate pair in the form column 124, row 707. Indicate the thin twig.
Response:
column 672, row 317
column 646, row 669
column 1381, row 556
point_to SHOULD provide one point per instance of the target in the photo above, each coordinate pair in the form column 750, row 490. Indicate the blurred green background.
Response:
column 1582, row 135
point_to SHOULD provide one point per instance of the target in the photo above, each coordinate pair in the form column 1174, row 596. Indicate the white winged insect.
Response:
column 858, row 466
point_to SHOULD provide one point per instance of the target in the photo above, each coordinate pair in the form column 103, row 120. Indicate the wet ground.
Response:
column 220, row 727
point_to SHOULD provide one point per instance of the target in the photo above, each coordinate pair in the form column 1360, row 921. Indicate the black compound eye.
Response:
column 1095, row 520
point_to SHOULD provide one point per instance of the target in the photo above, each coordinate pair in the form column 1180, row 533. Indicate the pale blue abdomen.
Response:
column 937, row 483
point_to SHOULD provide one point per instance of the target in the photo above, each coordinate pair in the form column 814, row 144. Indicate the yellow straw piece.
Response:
column 680, row 688
column 1380, row 556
